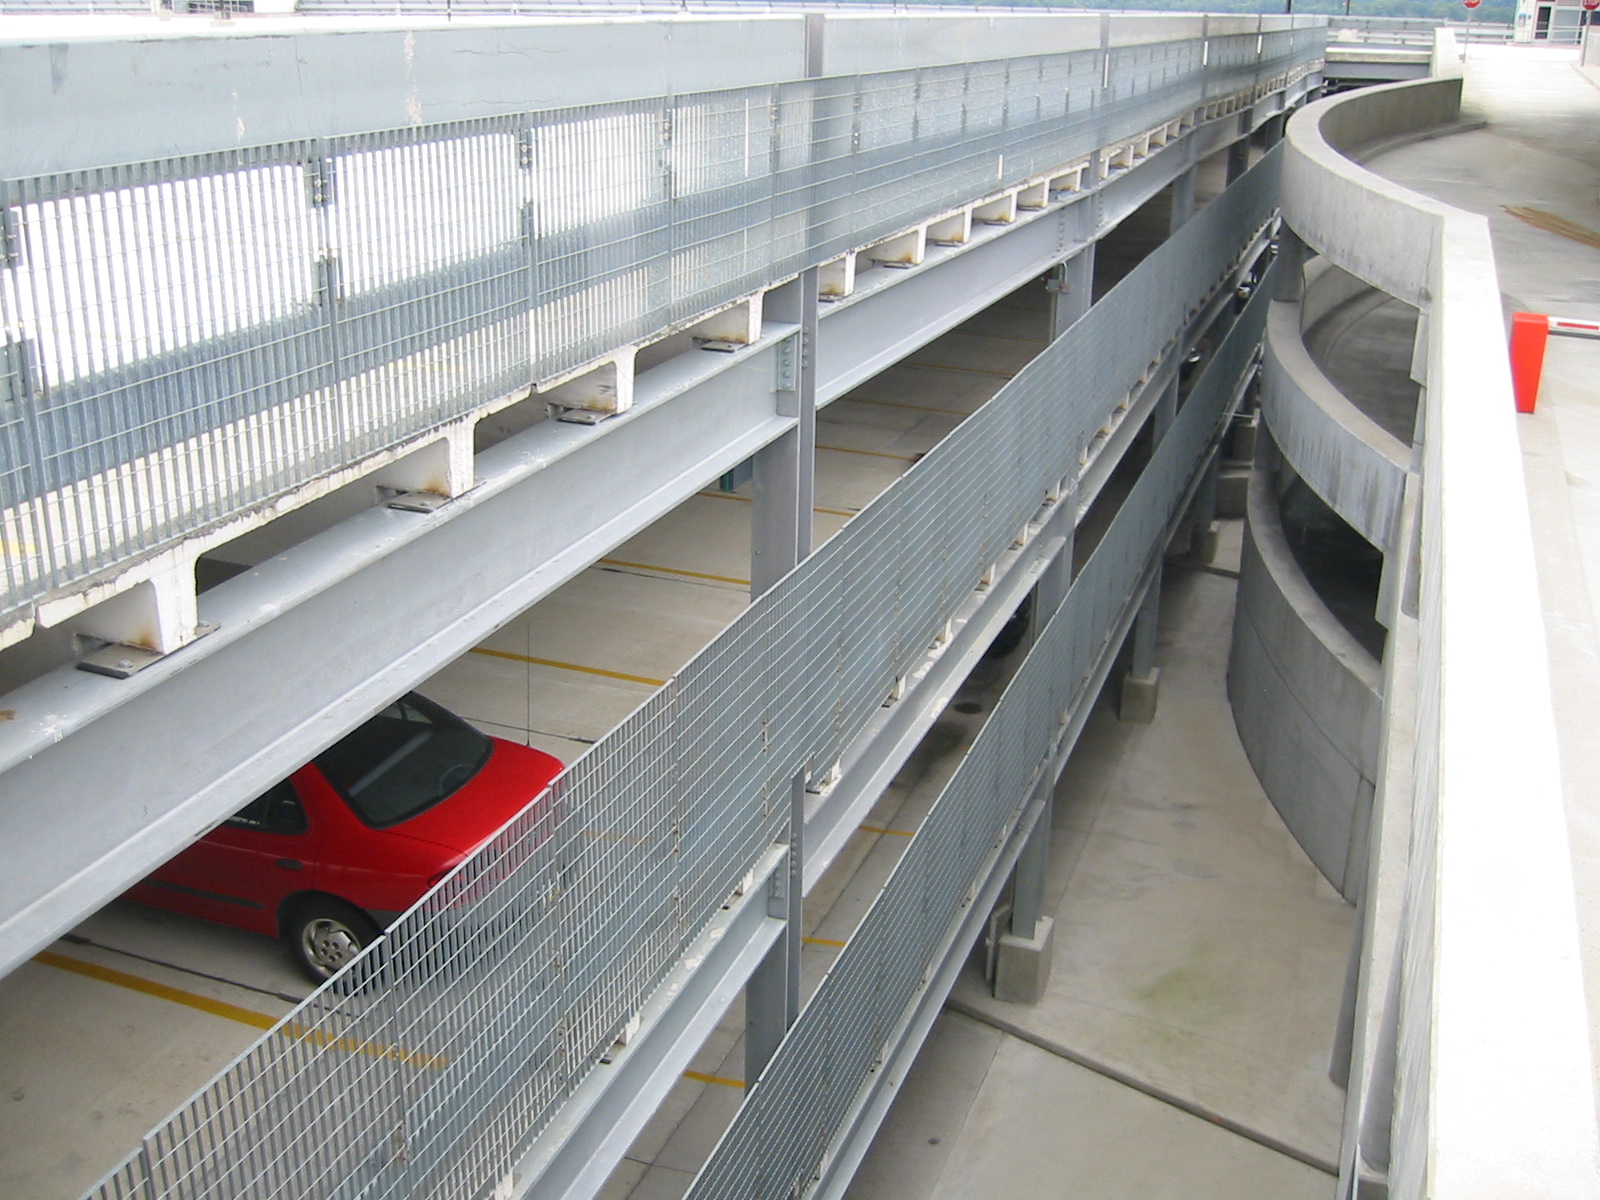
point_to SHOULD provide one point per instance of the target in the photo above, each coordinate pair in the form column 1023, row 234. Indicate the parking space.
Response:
column 113, row 1027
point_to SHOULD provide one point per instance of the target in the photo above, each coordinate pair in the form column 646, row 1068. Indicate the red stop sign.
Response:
column 1472, row 3
column 1591, row 5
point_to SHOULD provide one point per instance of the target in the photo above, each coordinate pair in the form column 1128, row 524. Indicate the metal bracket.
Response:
column 330, row 282
column 418, row 502
column 786, row 363
column 319, row 182
column 17, row 363
column 577, row 416
column 123, row 662
column 525, row 151
column 10, row 237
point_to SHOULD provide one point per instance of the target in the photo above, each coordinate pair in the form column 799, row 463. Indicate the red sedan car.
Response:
column 335, row 852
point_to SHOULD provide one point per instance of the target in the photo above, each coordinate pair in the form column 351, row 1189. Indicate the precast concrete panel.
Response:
column 1305, row 698
column 1356, row 467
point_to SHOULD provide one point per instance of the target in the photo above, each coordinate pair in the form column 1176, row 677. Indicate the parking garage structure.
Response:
column 412, row 427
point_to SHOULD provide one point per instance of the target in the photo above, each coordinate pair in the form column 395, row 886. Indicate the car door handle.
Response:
column 291, row 864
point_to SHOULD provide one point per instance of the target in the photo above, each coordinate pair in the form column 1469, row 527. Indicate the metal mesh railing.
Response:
column 428, row 1067
column 778, row 1143
column 184, row 340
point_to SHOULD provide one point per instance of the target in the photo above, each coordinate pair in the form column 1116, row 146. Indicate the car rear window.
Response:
column 405, row 760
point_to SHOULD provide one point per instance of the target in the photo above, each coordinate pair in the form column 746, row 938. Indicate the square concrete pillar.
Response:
column 1233, row 487
column 1139, row 692
column 1022, row 965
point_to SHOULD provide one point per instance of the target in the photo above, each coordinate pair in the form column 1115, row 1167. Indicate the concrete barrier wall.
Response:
column 1305, row 697
column 1378, row 231
column 1472, row 1073
column 1358, row 468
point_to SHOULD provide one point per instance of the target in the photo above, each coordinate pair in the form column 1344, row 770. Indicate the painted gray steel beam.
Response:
column 105, row 778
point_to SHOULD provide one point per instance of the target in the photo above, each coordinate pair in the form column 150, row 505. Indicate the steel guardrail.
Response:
column 454, row 1040
column 183, row 341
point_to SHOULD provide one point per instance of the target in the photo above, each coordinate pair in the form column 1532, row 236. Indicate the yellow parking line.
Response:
column 832, row 512
column 722, row 1079
column 927, row 408
column 566, row 666
column 880, row 829
column 617, row 562
column 816, row 941
column 230, row 1012
column 868, row 453
column 217, row 1008
column 321, row 1037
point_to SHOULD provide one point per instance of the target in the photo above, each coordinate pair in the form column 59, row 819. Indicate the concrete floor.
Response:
column 1364, row 347
column 1533, row 171
column 1183, row 1042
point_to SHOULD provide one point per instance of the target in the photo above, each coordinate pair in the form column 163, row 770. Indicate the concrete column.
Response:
column 785, row 470
column 1071, row 290
column 1183, row 199
column 772, row 996
column 1272, row 129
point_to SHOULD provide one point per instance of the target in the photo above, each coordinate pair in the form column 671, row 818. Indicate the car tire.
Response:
column 323, row 933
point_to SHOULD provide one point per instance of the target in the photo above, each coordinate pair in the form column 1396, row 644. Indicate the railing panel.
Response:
column 453, row 1041
column 189, row 338
column 847, row 1027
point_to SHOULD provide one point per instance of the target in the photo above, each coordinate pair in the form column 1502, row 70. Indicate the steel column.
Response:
column 1238, row 158
column 1183, row 199
column 1072, row 290
column 1027, row 893
column 772, row 996
column 785, row 470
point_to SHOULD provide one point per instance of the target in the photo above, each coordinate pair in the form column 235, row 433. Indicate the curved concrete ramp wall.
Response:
column 1470, row 1072
column 1343, row 454
column 1306, row 700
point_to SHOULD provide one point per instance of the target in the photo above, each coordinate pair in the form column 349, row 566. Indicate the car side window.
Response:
column 277, row 810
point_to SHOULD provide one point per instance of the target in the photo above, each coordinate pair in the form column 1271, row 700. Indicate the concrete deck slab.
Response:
column 1079, row 1135
column 1198, row 953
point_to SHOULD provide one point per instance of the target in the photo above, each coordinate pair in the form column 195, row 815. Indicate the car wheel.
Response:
column 324, row 934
